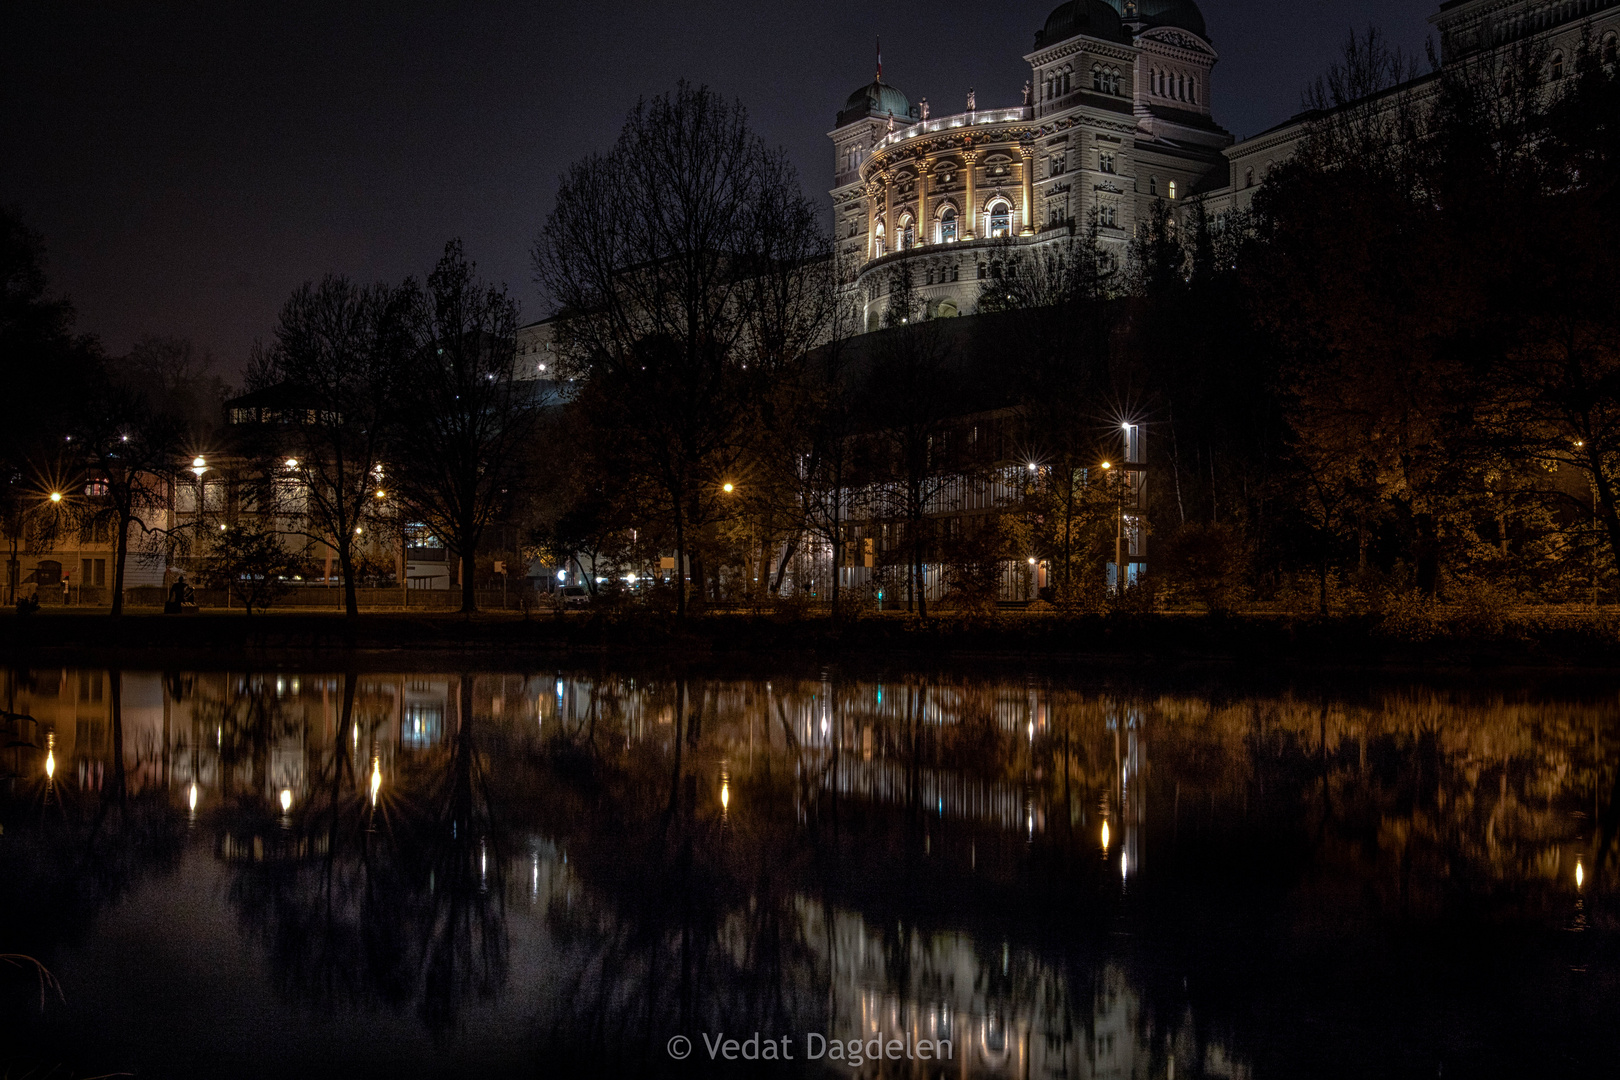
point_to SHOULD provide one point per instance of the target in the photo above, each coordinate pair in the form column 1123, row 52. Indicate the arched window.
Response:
column 1153, row 185
column 1172, row 189
column 1611, row 48
column 879, row 247
column 1068, row 77
column 1192, row 90
column 1113, row 81
column 1000, row 218
column 947, row 225
column 908, row 234
column 1557, row 66
column 1097, row 78
column 1248, row 178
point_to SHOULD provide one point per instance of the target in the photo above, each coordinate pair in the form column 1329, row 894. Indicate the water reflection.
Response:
column 1053, row 880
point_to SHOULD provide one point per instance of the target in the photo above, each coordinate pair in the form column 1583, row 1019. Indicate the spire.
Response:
column 880, row 60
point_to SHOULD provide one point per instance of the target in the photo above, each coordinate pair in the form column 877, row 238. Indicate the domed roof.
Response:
column 878, row 98
column 1094, row 18
column 1179, row 13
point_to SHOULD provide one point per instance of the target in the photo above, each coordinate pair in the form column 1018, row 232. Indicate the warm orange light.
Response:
column 56, row 496
column 1106, row 465
column 728, row 488
column 286, row 800
column 1105, row 836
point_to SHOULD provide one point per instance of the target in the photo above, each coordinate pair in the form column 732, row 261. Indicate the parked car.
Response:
column 573, row 596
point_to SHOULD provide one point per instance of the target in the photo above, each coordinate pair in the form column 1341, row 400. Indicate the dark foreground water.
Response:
column 559, row 873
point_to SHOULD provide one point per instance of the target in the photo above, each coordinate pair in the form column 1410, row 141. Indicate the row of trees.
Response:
column 1397, row 372
column 1394, row 374
column 392, row 403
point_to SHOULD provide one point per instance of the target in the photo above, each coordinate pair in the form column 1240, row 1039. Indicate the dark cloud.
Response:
column 190, row 164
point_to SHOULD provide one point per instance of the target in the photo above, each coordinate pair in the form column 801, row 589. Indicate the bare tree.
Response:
column 339, row 351
column 465, row 420
column 912, row 389
column 680, row 260
column 152, row 410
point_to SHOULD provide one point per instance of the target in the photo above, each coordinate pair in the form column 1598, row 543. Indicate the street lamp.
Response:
column 728, row 487
column 1119, row 534
column 56, row 496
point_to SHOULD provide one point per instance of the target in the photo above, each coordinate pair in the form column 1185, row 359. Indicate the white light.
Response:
column 286, row 799
column 725, row 796
column 1124, row 864
column 376, row 780
column 562, row 575
column 1580, row 874
column 1126, row 427
column 1033, row 468
column 191, row 798
column 1105, row 836
column 50, row 764
column 292, row 463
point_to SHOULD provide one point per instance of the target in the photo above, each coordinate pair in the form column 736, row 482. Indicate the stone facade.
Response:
column 1116, row 114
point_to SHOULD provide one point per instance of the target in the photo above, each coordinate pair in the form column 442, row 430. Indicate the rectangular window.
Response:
column 1105, row 162
column 101, row 571
column 85, row 566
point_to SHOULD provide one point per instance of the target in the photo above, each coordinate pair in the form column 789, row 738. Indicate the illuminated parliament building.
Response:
column 1116, row 114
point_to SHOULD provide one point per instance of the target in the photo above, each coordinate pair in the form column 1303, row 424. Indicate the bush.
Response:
column 1206, row 563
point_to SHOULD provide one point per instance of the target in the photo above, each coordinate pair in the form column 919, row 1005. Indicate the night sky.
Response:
column 190, row 164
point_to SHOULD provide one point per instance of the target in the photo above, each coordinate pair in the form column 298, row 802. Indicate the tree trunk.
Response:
column 700, row 582
column 917, row 565
column 469, row 571
column 680, row 561
column 120, row 556
column 351, row 601
column 788, row 549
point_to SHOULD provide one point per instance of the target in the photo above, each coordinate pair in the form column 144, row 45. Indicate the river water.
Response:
column 985, row 873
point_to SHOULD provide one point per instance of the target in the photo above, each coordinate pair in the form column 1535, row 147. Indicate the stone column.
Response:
column 922, row 202
column 889, row 239
column 1028, row 154
column 871, row 219
column 970, row 215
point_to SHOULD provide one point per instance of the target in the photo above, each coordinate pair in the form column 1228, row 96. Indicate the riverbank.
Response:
column 1547, row 639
